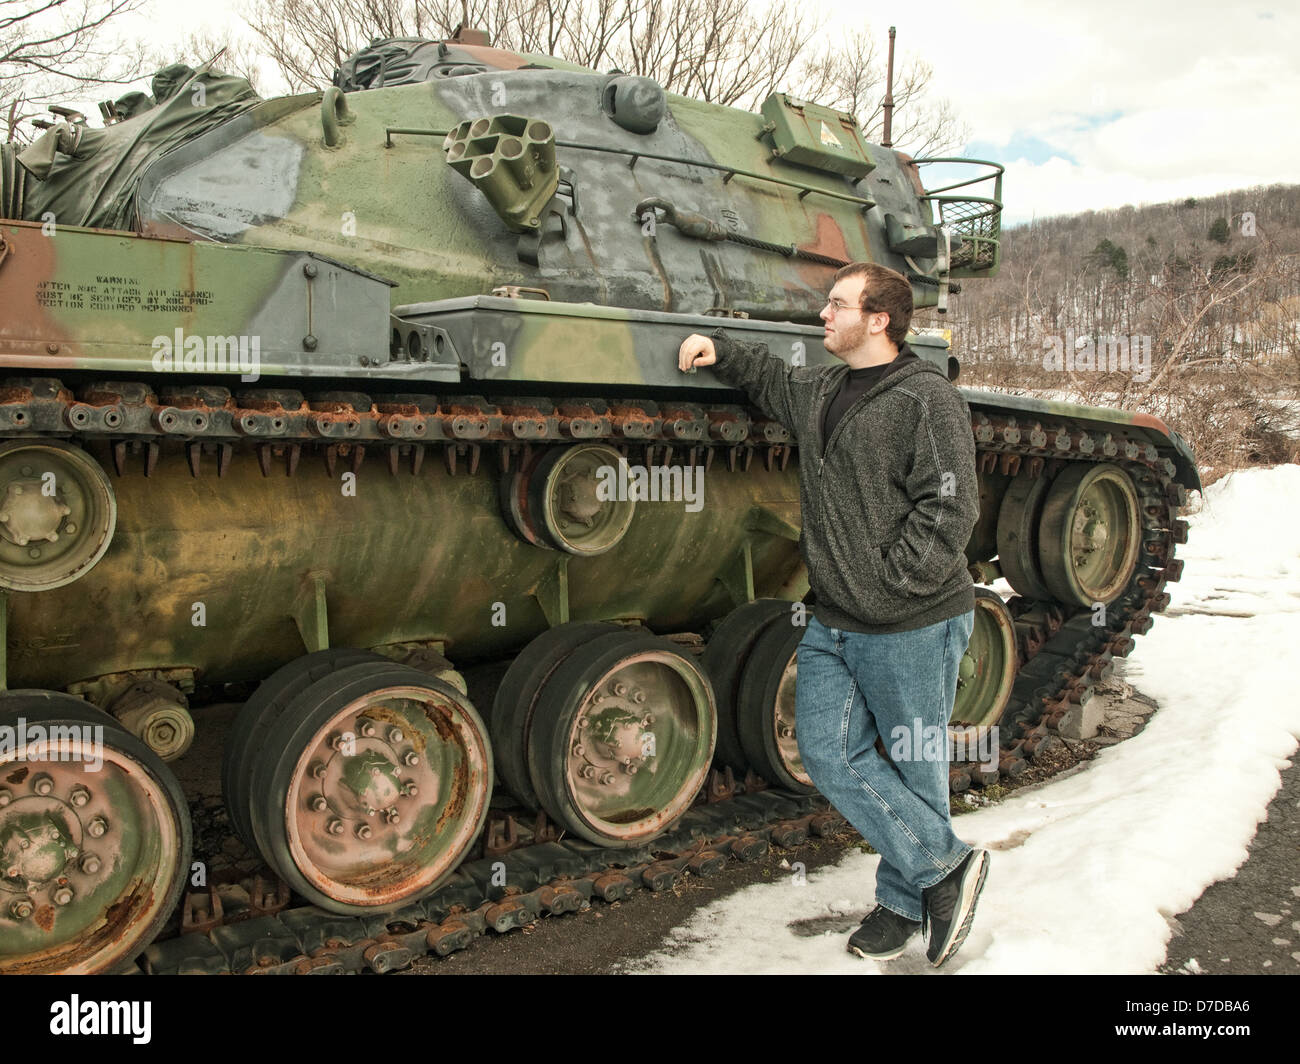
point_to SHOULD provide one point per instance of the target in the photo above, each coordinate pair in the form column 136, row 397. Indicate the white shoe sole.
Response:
column 971, row 886
column 880, row 956
column 884, row 956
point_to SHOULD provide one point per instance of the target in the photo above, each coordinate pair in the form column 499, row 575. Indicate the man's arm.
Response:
column 944, row 490
column 764, row 377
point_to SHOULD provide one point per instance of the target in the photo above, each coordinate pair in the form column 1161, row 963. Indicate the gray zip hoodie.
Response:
column 890, row 505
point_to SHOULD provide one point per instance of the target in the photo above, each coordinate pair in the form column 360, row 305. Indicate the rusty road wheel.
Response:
column 1090, row 534
column 372, row 784
column 765, row 709
column 729, row 648
column 247, row 734
column 93, row 853
column 622, row 738
column 988, row 667
column 510, row 720
column 1017, row 535
column 57, row 514
column 558, row 500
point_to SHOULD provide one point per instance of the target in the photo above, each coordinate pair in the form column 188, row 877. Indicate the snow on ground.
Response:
column 1084, row 869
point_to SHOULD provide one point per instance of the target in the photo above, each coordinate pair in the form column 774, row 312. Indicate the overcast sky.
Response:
column 1094, row 105
column 1109, row 102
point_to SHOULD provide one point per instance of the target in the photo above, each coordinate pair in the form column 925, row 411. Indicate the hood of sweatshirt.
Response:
column 909, row 364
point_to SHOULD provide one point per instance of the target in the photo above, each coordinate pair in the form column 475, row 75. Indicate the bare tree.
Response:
column 1185, row 317
column 850, row 75
column 597, row 27
column 54, row 50
column 307, row 39
column 746, row 59
column 660, row 41
column 1220, row 318
column 230, row 55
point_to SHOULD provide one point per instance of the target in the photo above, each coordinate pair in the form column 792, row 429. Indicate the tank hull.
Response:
column 209, row 573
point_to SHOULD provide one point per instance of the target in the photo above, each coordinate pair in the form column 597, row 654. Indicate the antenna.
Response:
column 886, row 142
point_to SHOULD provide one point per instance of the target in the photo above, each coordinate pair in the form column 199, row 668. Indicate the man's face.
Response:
column 846, row 323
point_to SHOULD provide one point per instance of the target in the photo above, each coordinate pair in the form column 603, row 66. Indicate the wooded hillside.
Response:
column 1187, row 310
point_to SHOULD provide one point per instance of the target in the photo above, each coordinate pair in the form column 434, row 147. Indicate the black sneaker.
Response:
column 882, row 935
column 948, row 907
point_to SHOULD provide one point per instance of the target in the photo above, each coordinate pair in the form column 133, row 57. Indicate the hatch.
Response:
column 814, row 136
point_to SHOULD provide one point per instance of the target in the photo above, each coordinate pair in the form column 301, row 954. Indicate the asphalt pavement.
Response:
column 1249, row 923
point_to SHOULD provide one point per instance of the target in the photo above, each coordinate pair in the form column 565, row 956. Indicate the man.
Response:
column 889, row 497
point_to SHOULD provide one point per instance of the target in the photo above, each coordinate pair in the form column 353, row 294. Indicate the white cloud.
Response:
column 1152, row 101
column 1060, row 187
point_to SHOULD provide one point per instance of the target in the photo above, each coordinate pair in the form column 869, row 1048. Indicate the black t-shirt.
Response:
column 856, row 384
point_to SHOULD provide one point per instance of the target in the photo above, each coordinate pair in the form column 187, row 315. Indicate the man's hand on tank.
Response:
column 696, row 351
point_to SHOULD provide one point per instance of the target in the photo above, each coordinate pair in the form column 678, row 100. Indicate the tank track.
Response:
column 1061, row 655
column 541, row 879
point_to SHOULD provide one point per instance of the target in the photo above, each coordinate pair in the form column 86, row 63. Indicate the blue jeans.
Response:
column 852, row 688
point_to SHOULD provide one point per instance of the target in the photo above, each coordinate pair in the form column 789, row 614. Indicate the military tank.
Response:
column 351, row 399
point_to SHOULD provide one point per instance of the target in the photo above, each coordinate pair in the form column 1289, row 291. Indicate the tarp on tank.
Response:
column 410, row 60
column 85, row 176
column 402, row 61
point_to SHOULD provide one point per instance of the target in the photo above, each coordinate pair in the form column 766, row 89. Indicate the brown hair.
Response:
column 883, row 291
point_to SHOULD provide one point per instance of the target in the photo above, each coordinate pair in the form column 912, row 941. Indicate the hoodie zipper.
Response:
column 822, row 451
column 821, row 415
column 819, row 422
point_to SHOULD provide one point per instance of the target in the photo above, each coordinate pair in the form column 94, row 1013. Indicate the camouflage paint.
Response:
column 410, row 558
column 93, row 300
column 430, row 230
column 98, row 301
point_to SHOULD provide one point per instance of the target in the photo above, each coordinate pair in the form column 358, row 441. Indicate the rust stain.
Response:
column 440, row 718
column 912, row 171
column 31, row 260
column 492, row 57
column 1150, row 421
column 829, row 240
column 166, row 230
column 399, row 720
column 115, row 923
column 460, row 791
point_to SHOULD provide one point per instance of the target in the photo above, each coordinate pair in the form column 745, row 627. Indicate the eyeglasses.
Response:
column 837, row 305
